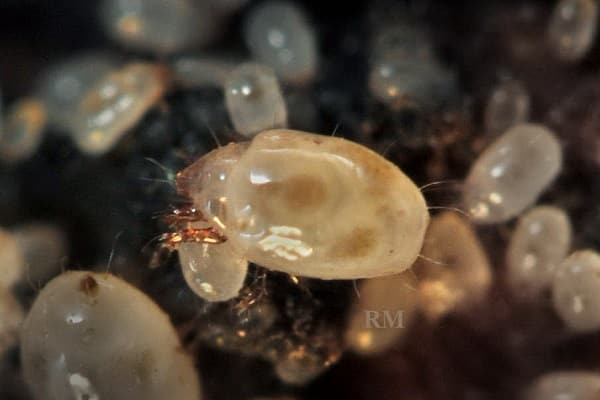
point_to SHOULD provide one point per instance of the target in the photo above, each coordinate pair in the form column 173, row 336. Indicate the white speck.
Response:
column 276, row 38
column 576, row 268
column 286, row 230
column 285, row 247
column 106, row 117
column 246, row 90
column 108, row 91
column 497, row 171
column 535, row 228
column 577, row 304
column 529, row 261
column 74, row 319
column 495, row 198
column 285, row 56
column 481, row 210
column 82, row 388
column 124, row 103
column 207, row 287
column 257, row 178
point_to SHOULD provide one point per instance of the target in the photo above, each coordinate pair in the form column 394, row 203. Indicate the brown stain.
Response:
column 89, row 286
column 359, row 243
column 144, row 366
column 304, row 192
column 299, row 192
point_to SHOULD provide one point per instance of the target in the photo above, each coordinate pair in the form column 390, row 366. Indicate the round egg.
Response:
column 511, row 173
column 254, row 100
column 539, row 243
column 565, row 385
column 572, row 28
column 280, row 36
column 94, row 336
column 576, row 291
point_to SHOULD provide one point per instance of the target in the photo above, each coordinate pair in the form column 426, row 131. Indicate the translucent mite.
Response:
column 115, row 104
column 63, row 85
column 305, row 204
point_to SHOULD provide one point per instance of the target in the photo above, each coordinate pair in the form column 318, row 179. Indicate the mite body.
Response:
column 304, row 204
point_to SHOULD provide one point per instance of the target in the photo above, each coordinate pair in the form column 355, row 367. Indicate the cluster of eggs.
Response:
column 308, row 205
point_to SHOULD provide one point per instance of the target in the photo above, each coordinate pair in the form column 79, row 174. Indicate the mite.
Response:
column 305, row 204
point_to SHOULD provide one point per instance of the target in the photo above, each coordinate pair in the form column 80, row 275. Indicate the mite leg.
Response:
column 183, row 214
column 170, row 241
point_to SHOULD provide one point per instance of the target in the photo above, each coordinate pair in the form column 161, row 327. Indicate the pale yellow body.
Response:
column 310, row 205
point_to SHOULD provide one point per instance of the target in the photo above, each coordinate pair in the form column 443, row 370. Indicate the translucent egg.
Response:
column 309, row 205
column 454, row 271
column 115, row 104
column 254, row 99
column 22, row 130
column 94, row 336
column 565, row 385
column 12, row 262
column 159, row 26
column 576, row 291
column 194, row 72
column 403, row 71
column 280, row 36
column 44, row 248
column 538, row 244
column 63, row 85
column 11, row 318
column 382, row 313
column 511, row 173
column 403, row 83
column 572, row 28
column 507, row 106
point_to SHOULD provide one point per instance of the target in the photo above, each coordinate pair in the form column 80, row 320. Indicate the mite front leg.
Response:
column 184, row 214
column 170, row 241
column 191, row 235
